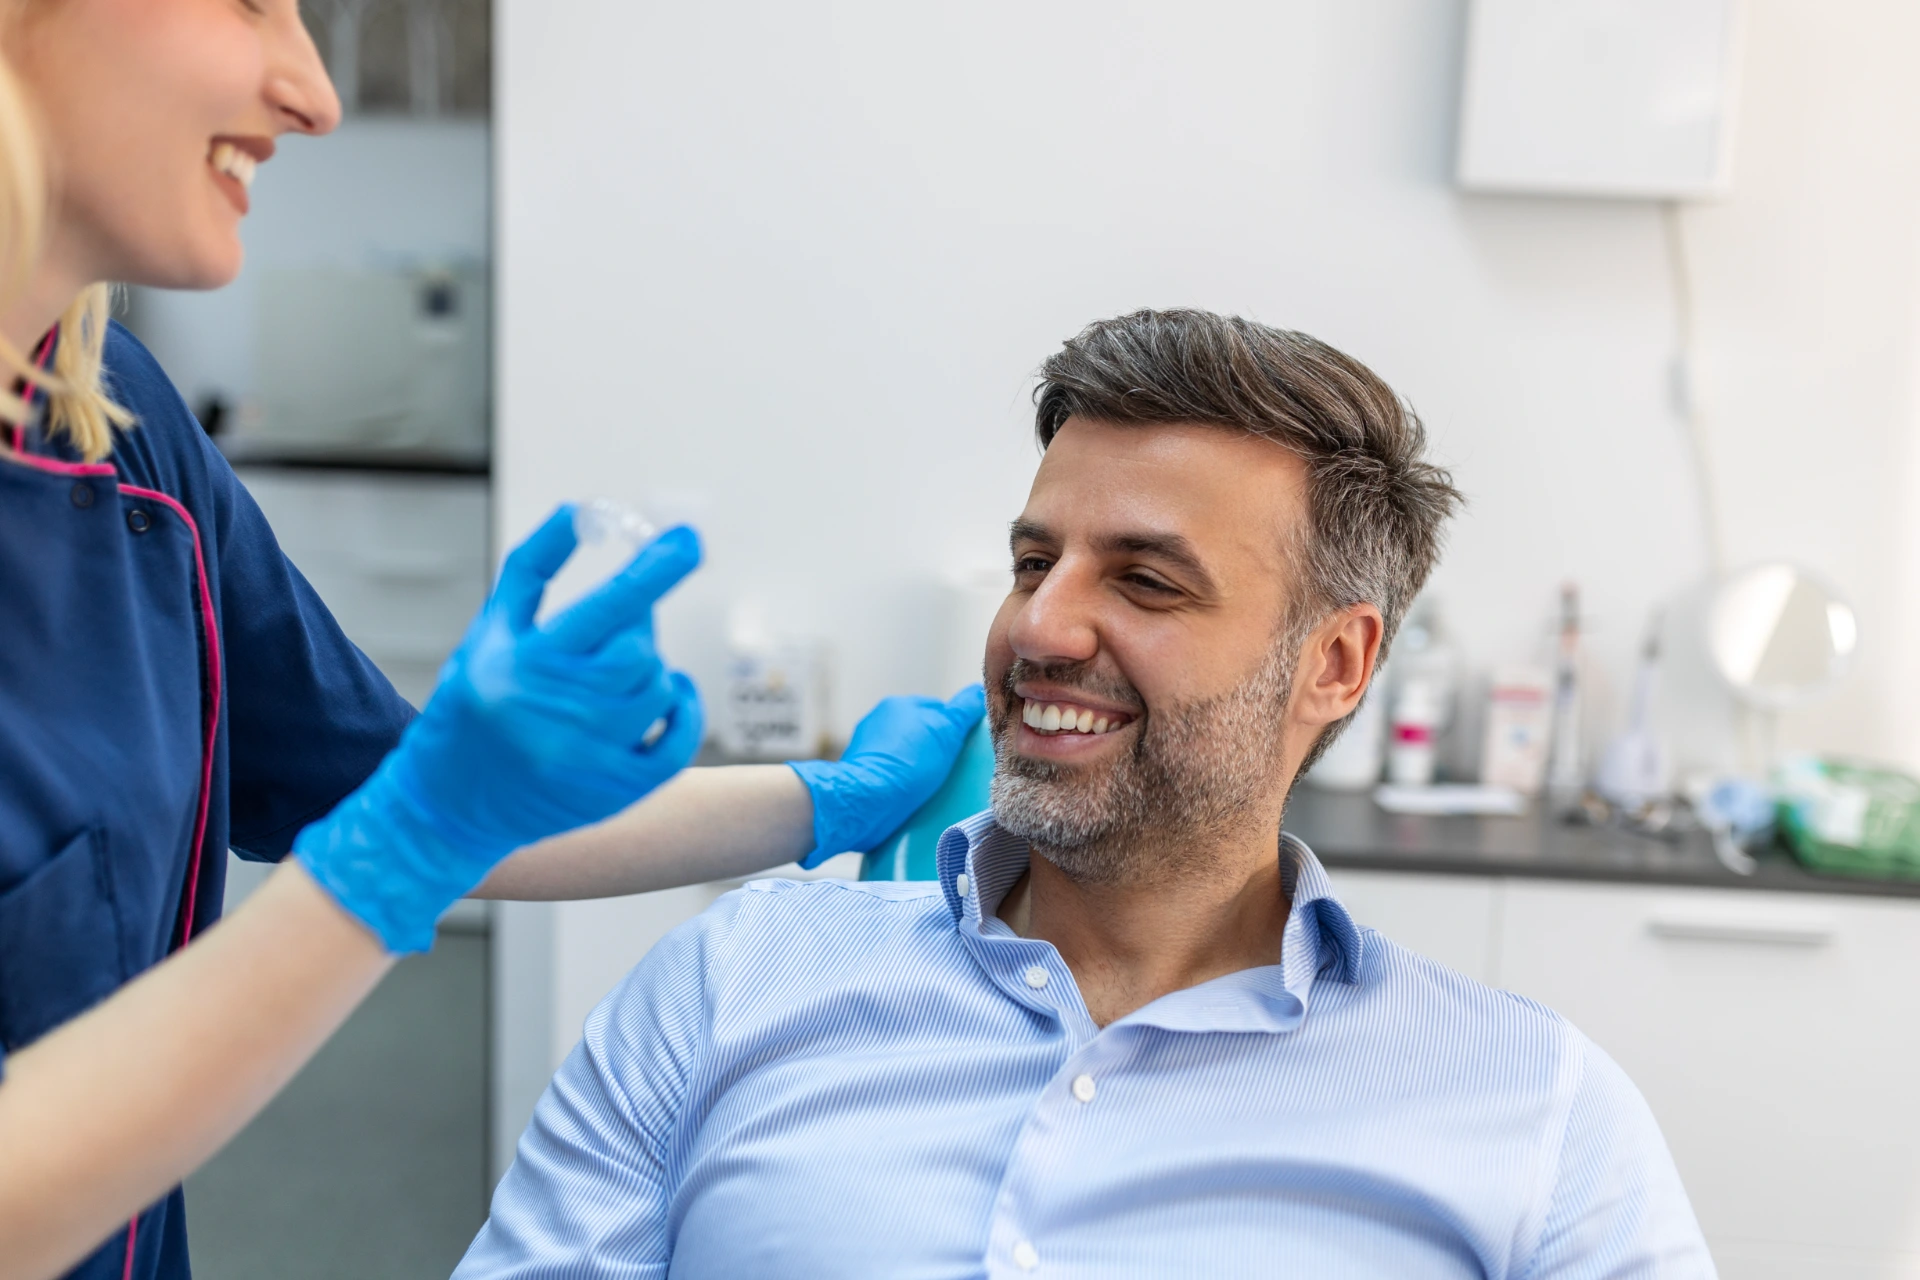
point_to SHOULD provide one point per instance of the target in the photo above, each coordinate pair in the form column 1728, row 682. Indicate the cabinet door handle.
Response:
column 1779, row 928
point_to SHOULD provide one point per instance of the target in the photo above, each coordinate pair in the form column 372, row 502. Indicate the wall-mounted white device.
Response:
column 373, row 362
column 1623, row 98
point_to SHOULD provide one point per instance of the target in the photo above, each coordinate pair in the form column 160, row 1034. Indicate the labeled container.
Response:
column 1519, row 729
column 1413, row 743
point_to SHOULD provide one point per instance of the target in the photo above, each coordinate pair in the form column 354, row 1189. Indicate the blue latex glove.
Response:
column 533, row 730
column 898, row 756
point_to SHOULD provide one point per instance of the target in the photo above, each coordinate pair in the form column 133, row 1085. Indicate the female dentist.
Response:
column 170, row 687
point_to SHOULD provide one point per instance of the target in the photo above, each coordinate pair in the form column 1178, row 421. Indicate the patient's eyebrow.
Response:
column 1171, row 548
column 1024, row 530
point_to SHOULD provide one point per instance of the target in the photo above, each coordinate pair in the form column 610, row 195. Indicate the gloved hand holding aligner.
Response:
column 533, row 730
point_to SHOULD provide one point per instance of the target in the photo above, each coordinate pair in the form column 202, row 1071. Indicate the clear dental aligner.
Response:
column 603, row 520
column 600, row 520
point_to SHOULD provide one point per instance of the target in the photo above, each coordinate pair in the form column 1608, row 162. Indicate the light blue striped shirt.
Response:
column 833, row 1079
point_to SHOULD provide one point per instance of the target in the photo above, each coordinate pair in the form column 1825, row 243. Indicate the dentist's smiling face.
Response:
column 155, row 113
column 1140, row 671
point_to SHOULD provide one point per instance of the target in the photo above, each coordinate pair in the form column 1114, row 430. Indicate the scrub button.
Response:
column 961, row 884
column 1036, row 977
column 1083, row 1087
column 1025, row 1256
column 82, row 494
column 139, row 521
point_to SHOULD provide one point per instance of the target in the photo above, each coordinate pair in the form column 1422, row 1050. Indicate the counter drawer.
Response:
column 1776, row 1037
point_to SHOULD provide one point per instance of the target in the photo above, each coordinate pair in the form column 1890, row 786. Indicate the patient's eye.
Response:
column 1029, row 564
column 1150, row 583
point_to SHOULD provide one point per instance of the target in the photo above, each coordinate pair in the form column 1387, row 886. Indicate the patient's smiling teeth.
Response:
column 1058, row 717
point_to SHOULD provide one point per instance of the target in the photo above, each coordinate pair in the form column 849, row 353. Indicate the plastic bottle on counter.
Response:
column 1413, row 742
column 1426, row 675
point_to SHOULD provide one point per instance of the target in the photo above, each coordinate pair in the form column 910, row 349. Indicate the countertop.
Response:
column 1349, row 830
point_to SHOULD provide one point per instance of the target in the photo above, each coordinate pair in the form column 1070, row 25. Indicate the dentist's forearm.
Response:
column 705, row 824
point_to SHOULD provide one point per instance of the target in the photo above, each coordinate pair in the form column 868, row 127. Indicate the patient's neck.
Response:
column 1128, row 942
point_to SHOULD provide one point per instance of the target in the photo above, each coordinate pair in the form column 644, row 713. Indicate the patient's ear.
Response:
column 1336, row 665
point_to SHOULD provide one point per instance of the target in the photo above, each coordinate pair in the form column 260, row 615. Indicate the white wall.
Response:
column 802, row 257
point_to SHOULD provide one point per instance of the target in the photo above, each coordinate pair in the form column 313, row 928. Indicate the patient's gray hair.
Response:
column 1375, row 504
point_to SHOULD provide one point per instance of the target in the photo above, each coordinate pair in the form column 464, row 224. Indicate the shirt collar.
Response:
column 1320, row 939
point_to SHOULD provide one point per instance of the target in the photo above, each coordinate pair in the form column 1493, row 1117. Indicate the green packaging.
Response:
column 1852, row 818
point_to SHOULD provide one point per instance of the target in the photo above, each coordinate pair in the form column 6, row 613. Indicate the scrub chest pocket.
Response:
column 61, row 942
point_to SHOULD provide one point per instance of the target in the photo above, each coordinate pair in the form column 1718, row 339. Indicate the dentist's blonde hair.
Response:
column 78, row 405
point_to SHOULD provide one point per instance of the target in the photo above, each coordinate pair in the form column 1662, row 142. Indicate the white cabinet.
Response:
column 1451, row 919
column 1776, row 1037
column 401, row 560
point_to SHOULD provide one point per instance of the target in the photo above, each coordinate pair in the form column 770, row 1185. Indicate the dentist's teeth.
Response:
column 1050, row 718
column 233, row 162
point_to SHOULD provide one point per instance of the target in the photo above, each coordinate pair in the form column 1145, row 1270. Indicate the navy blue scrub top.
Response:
column 170, row 687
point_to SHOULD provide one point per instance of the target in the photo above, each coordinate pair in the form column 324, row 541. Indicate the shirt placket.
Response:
column 1034, row 974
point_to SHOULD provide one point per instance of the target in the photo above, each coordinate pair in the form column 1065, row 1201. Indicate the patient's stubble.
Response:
column 1195, row 772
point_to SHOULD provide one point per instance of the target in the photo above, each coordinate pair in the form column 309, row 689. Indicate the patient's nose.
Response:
column 1055, row 624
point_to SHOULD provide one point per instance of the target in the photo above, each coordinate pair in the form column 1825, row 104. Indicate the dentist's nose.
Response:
column 298, row 88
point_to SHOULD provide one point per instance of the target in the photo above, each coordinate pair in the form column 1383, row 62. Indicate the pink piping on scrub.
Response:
column 59, row 468
column 19, row 433
column 31, row 389
column 211, row 627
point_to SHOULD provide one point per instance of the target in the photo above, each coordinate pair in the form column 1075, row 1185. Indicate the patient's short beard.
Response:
column 1194, row 771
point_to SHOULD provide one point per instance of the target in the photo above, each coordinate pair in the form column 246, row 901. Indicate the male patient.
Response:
column 1130, row 1031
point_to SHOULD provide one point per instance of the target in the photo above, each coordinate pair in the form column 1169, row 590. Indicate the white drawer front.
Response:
column 1776, row 1037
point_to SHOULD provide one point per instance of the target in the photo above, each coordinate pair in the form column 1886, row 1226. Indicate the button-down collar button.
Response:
column 1025, row 1256
column 82, row 494
column 961, row 885
column 139, row 521
column 1083, row 1087
column 1036, row 977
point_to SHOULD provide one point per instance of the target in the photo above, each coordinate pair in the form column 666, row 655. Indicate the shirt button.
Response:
column 1036, row 977
column 82, row 494
column 1025, row 1256
column 139, row 521
column 1083, row 1087
column 961, row 885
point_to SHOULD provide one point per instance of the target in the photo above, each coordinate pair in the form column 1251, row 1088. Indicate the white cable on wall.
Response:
column 1686, row 382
